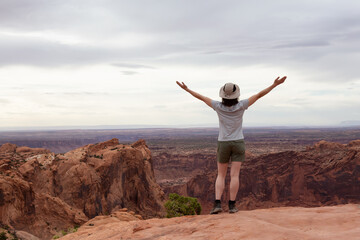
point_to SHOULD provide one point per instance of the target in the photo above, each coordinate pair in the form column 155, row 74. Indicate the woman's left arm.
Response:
column 195, row 94
column 259, row 95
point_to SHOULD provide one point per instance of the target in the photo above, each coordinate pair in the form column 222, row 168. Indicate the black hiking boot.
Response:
column 217, row 207
column 232, row 208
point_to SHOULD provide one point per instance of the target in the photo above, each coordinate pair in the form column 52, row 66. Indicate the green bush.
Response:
column 72, row 230
column 178, row 205
column 3, row 236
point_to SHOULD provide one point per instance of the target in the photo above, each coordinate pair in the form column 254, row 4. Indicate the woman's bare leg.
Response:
column 220, row 180
column 234, row 182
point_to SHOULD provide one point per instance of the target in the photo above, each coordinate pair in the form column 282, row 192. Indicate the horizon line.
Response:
column 141, row 126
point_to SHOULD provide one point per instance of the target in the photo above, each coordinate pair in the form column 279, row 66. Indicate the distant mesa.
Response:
column 350, row 123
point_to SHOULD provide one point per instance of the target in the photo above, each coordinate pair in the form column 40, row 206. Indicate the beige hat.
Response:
column 229, row 91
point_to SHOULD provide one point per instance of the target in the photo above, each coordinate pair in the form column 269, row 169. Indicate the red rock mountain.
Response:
column 323, row 174
column 43, row 193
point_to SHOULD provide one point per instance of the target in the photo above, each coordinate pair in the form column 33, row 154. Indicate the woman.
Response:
column 231, row 140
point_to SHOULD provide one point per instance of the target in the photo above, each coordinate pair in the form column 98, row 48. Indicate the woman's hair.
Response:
column 229, row 102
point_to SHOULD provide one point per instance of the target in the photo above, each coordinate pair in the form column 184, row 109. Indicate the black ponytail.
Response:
column 230, row 102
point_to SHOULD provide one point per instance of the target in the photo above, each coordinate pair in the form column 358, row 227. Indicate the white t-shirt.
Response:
column 230, row 119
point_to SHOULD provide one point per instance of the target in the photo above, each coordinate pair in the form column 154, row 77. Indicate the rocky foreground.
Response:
column 321, row 223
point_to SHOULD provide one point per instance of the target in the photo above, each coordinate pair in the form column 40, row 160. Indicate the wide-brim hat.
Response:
column 229, row 91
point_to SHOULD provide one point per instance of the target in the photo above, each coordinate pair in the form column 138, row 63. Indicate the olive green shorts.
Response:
column 231, row 149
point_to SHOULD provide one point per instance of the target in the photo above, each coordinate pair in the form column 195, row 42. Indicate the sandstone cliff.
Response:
column 42, row 192
column 323, row 174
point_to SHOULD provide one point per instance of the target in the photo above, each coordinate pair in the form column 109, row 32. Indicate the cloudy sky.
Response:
column 87, row 62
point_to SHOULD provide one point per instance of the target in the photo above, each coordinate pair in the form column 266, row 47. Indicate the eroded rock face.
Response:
column 42, row 192
column 24, row 208
column 323, row 174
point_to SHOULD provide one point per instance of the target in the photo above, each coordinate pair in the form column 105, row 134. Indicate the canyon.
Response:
column 322, row 174
column 44, row 192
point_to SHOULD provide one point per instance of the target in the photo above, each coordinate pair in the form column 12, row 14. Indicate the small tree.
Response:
column 178, row 205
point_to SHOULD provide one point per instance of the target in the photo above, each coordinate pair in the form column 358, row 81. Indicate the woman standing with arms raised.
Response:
column 231, row 145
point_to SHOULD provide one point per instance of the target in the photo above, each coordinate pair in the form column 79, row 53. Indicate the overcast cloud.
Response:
column 134, row 51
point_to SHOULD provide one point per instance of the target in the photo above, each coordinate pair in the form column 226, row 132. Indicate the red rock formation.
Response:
column 34, row 211
column 42, row 192
column 323, row 174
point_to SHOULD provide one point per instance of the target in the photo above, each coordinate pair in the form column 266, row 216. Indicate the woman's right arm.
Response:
column 195, row 94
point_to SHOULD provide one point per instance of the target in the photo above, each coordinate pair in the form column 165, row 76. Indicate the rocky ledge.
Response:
column 322, row 223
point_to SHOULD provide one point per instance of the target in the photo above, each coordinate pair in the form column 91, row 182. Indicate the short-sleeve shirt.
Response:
column 230, row 119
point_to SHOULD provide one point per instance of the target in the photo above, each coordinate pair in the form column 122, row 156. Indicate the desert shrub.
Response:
column 65, row 232
column 178, row 205
column 74, row 229
column 3, row 236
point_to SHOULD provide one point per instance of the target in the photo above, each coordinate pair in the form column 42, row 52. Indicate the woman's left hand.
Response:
column 182, row 85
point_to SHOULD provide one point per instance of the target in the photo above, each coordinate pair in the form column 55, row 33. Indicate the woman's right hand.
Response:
column 279, row 81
